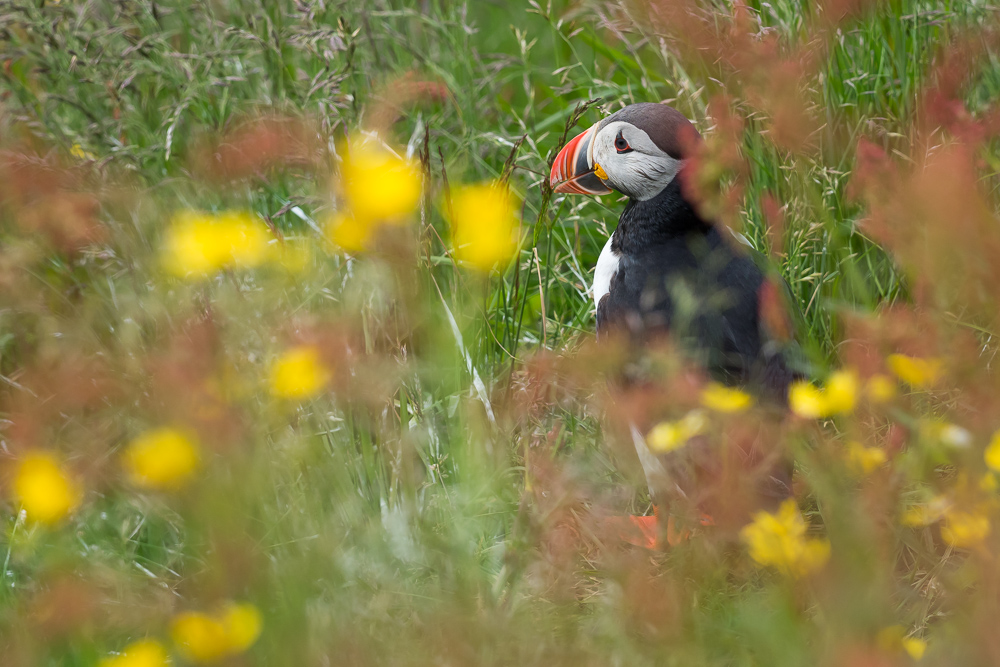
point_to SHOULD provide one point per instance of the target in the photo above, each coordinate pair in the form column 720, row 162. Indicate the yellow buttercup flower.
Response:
column 914, row 371
column 143, row 653
column 163, row 458
column 668, row 436
column 243, row 625
column 79, row 153
column 841, row 392
column 349, row 232
column 198, row 244
column 299, row 373
column 199, row 637
column 806, row 400
column 894, row 639
column 725, row 399
column 838, row 397
column 864, row 460
column 205, row 638
column 44, row 490
column 965, row 529
column 779, row 540
column 881, row 388
column 992, row 453
column 914, row 647
column 378, row 185
column 483, row 225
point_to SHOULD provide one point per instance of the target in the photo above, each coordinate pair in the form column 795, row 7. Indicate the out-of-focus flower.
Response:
column 962, row 526
column 992, row 453
column 143, row 653
column 965, row 529
column 378, row 185
column 43, row 488
column 926, row 514
column 162, row 458
column 243, row 625
column 725, row 399
column 205, row 638
column 198, row 244
column 894, row 639
column 838, row 397
column 350, row 233
column 779, row 540
column 946, row 433
column 864, row 460
column 79, row 153
column 915, row 371
column 483, row 225
column 299, row 373
column 668, row 436
column 881, row 388
column 199, row 637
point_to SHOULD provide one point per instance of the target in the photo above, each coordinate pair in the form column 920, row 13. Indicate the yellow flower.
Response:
column 863, row 460
column 197, row 244
column 914, row 371
column 161, row 459
column 668, row 436
column 243, row 625
column 199, row 637
column 914, row 647
column 377, row 185
column 924, row 515
column 965, row 529
column 841, row 392
column 44, row 490
column 880, row 388
column 807, row 400
column 205, row 638
column 779, row 540
column 838, row 397
column 143, row 653
column 894, row 639
column 299, row 373
column 483, row 225
column 720, row 398
column 79, row 153
column 992, row 453
column 350, row 233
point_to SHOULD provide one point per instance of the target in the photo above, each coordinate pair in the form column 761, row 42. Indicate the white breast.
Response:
column 607, row 267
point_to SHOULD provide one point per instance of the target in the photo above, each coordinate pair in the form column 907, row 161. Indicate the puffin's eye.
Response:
column 621, row 144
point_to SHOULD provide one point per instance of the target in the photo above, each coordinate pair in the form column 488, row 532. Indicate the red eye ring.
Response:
column 621, row 144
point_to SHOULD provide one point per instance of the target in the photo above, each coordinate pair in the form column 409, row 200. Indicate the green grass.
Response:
column 388, row 522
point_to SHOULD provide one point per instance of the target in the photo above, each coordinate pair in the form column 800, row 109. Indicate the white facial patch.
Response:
column 607, row 267
column 640, row 173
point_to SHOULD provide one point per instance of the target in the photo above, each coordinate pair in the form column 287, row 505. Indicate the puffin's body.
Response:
column 666, row 269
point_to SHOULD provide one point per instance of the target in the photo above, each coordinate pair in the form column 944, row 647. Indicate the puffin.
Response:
column 668, row 270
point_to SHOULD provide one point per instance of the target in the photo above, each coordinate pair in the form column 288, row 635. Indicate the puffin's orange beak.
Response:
column 573, row 170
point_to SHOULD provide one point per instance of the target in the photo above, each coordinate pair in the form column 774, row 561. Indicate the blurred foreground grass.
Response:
column 250, row 425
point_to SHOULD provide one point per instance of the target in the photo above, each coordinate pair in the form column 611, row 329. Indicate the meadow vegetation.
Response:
column 297, row 363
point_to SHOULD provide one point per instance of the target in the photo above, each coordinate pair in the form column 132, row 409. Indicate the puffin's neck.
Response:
column 667, row 215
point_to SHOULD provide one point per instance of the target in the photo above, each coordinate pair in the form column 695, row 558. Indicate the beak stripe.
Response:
column 571, row 171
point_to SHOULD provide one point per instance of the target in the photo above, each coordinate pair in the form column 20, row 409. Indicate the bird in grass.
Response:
column 667, row 269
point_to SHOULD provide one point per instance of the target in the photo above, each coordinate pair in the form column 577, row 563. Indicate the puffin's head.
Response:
column 636, row 151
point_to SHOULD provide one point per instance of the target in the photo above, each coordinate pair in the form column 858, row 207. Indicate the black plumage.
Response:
column 678, row 273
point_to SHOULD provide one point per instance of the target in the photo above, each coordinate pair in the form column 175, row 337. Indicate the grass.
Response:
column 388, row 520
